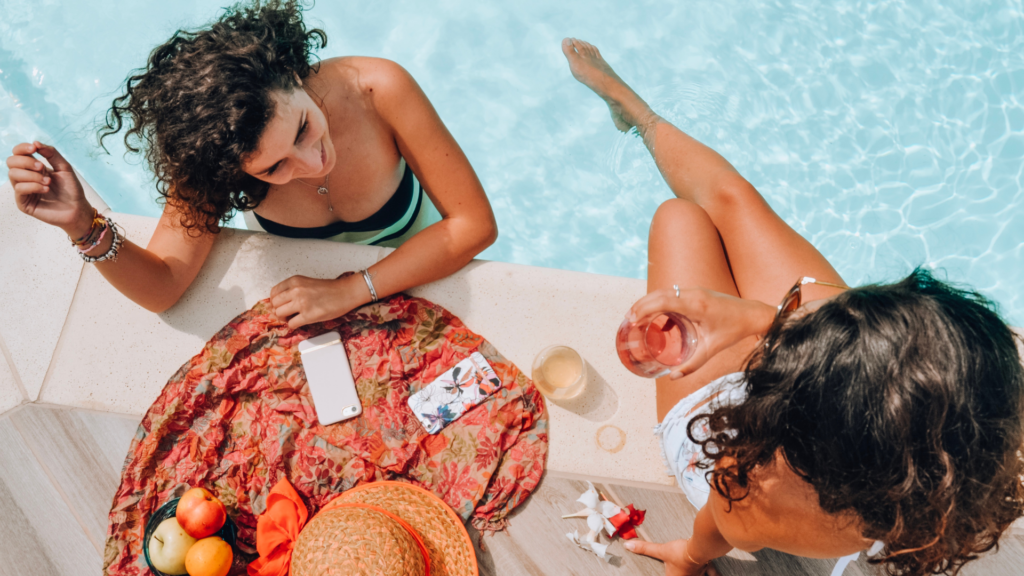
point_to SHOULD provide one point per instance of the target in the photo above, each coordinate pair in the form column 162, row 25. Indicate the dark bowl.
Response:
column 228, row 532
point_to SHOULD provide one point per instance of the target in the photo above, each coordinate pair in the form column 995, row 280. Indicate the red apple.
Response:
column 200, row 513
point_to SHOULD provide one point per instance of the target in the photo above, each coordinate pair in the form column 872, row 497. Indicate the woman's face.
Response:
column 295, row 144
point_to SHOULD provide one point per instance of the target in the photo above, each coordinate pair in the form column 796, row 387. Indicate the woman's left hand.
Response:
column 721, row 320
column 301, row 300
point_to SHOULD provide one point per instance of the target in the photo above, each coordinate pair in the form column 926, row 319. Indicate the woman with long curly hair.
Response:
column 886, row 418
column 238, row 117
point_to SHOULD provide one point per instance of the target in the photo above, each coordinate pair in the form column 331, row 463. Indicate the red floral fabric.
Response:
column 238, row 417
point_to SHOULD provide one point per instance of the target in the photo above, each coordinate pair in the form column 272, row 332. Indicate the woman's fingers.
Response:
column 22, row 189
column 24, row 149
column 288, row 309
column 688, row 303
column 56, row 160
column 653, row 301
column 18, row 175
column 26, row 163
column 652, row 549
column 284, row 286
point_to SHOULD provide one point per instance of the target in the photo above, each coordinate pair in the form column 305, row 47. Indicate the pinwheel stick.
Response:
column 640, row 532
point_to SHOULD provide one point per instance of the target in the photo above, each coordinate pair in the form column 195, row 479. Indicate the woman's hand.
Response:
column 300, row 300
column 721, row 320
column 55, row 197
column 674, row 554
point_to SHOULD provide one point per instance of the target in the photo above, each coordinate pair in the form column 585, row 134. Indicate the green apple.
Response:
column 168, row 547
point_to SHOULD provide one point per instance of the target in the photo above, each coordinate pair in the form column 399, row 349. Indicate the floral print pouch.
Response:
column 442, row 401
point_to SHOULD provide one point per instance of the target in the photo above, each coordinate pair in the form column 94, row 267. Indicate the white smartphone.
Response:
column 330, row 378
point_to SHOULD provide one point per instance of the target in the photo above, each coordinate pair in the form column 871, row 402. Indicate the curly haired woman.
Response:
column 235, row 117
column 884, row 418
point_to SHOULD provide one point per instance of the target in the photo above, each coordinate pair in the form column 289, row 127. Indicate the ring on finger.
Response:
column 676, row 288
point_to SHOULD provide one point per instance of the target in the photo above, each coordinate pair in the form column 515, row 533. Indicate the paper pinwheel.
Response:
column 627, row 520
column 603, row 515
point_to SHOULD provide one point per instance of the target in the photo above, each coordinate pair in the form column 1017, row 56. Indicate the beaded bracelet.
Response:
column 115, row 244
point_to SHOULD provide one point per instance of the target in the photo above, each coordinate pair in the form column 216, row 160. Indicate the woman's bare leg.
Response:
column 765, row 255
column 684, row 249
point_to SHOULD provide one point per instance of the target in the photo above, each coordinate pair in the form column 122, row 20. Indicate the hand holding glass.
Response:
column 652, row 346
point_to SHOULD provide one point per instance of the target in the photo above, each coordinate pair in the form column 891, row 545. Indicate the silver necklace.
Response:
column 322, row 190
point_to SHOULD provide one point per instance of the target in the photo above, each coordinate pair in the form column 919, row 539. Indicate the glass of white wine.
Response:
column 559, row 372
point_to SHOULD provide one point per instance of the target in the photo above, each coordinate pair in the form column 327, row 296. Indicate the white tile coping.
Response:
column 12, row 393
column 113, row 355
column 38, row 280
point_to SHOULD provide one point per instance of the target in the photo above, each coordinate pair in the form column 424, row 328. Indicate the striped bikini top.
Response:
column 393, row 219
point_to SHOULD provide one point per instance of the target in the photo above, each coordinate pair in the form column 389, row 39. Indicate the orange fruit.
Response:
column 209, row 557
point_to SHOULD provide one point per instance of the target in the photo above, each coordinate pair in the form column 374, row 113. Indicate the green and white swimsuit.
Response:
column 407, row 212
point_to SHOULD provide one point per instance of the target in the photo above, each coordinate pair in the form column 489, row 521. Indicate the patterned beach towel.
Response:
column 238, row 417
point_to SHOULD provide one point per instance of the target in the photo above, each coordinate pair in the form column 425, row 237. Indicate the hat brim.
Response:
column 445, row 536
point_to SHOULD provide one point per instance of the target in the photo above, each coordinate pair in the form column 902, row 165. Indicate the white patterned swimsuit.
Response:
column 682, row 455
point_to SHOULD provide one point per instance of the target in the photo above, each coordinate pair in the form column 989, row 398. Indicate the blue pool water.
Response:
column 890, row 133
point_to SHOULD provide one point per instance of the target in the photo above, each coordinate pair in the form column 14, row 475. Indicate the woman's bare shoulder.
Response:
column 363, row 74
column 781, row 511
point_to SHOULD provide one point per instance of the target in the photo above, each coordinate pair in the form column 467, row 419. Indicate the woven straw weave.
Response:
column 356, row 542
column 444, row 535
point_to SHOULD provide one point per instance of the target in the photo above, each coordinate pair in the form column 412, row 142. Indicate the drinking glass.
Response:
column 559, row 372
column 652, row 346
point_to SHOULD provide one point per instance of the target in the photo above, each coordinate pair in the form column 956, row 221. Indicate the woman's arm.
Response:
column 467, row 227
column 688, row 557
column 154, row 277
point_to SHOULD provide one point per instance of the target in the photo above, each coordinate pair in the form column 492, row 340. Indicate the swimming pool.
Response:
column 890, row 133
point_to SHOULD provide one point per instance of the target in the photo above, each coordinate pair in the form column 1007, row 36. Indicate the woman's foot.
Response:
column 587, row 66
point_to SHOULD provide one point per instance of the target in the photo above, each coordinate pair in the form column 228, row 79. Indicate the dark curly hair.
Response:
column 902, row 403
column 202, row 102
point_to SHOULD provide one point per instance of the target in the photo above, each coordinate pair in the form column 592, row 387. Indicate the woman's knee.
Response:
column 677, row 216
column 731, row 193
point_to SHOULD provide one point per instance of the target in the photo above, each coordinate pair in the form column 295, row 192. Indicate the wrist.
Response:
column 82, row 223
column 694, row 563
column 354, row 286
column 760, row 318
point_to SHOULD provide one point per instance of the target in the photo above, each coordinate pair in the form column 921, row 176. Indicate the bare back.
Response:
column 782, row 512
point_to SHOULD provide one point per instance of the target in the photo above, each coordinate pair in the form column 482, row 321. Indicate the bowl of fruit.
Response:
column 190, row 535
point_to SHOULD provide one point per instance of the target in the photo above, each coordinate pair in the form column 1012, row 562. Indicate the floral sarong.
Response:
column 238, row 417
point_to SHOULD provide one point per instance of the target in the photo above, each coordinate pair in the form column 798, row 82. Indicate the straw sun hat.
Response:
column 380, row 529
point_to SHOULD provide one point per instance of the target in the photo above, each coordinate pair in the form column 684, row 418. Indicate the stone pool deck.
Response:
column 80, row 365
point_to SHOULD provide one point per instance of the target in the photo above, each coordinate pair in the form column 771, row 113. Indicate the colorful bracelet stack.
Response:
column 97, row 222
column 96, row 234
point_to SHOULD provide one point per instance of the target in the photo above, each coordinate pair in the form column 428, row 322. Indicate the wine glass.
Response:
column 652, row 346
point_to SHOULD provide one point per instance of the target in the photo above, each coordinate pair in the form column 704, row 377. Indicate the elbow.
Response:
column 485, row 237
column 490, row 237
column 161, row 303
column 158, row 307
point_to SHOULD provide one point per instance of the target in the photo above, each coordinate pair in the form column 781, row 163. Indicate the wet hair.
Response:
column 199, row 107
column 901, row 403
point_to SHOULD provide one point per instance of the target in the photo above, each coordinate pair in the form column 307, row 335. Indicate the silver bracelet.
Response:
column 115, row 244
column 369, row 284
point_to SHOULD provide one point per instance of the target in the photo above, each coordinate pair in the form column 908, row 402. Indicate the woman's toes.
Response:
column 568, row 47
